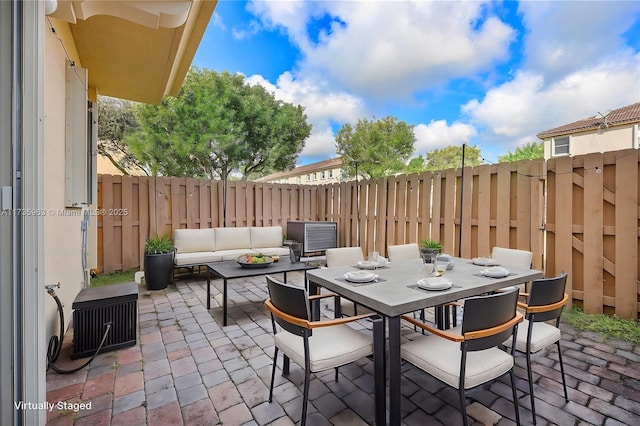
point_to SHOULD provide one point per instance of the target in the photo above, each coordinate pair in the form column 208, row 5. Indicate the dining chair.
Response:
column 400, row 252
column 470, row 355
column 345, row 256
column 513, row 257
column 545, row 302
column 314, row 345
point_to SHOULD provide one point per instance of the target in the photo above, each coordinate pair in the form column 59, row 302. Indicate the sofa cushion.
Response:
column 233, row 238
column 194, row 240
column 197, row 258
column 272, row 251
column 266, row 236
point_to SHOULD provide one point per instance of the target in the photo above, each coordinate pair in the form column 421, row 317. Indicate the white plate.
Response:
column 435, row 283
column 484, row 261
column 495, row 272
column 360, row 276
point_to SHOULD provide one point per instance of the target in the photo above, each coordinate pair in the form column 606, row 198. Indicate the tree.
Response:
column 218, row 125
column 116, row 122
column 529, row 151
column 450, row 157
column 376, row 148
column 415, row 165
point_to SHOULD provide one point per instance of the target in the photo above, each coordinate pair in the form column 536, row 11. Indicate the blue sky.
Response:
column 491, row 74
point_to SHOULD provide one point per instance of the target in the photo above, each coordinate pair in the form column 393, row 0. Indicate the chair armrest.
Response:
column 338, row 321
column 494, row 330
column 323, row 295
column 312, row 324
column 433, row 330
column 545, row 308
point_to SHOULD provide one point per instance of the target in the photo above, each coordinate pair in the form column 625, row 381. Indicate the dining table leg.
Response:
column 394, row 371
column 380, row 370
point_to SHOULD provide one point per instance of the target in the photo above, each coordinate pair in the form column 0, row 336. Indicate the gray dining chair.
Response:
column 544, row 304
column 470, row 355
column 314, row 345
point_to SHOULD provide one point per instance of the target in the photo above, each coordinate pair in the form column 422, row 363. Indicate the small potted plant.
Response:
column 158, row 262
column 430, row 249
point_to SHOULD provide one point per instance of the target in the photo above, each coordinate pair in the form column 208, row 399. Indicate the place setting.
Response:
column 495, row 272
column 360, row 277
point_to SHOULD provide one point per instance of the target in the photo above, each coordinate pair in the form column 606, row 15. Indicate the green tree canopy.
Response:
column 116, row 122
column 530, row 151
column 378, row 147
column 450, row 157
column 217, row 125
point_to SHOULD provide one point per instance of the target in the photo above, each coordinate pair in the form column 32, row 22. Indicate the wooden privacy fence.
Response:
column 576, row 214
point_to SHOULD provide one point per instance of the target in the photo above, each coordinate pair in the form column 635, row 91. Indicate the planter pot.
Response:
column 429, row 255
column 157, row 270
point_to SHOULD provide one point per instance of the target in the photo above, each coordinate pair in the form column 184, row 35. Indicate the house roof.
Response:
column 136, row 50
column 331, row 163
column 625, row 115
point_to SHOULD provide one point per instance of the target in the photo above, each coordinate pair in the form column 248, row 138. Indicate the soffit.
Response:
column 136, row 50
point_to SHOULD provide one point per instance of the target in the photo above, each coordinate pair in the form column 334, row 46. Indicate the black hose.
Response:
column 55, row 343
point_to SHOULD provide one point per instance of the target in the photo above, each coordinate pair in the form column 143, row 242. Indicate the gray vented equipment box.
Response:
column 94, row 307
column 314, row 236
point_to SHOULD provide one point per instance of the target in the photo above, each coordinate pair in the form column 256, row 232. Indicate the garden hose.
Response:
column 55, row 343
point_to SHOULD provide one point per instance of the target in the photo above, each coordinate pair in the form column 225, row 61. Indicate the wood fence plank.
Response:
column 107, row 225
column 465, row 214
column 127, row 224
column 523, row 207
column 177, row 198
column 593, row 245
column 143, row 216
column 538, row 172
column 437, row 208
column 563, row 220
column 381, row 214
column 424, row 206
column 391, row 214
column 449, row 210
column 626, row 237
column 503, row 212
column 401, row 209
column 483, row 246
column 413, row 212
column 190, row 203
column 203, row 204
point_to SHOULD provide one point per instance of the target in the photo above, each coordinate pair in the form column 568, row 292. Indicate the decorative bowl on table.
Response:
column 256, row 260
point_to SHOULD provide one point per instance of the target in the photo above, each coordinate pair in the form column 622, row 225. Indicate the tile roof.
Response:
column 321, row 165
column 625, row 115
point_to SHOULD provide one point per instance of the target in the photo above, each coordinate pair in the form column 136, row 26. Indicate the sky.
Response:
column 490, row 74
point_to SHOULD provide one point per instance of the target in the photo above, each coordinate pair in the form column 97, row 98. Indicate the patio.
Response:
column 187, row 369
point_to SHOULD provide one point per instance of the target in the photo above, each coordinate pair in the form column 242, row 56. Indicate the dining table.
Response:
column 395, row 291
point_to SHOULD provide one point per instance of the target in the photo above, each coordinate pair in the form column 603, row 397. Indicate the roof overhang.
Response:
column 137, row 50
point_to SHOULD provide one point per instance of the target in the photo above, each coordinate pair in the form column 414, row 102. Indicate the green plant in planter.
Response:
column 430, row 245
column 158, row 245
column 158, row 262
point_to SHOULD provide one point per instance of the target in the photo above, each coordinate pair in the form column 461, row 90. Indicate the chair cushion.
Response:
column 272, row 251
column 543, row 335
column 441, row 358
column 343, row 256
column 403, row 252
column 234, row 253
column 329, row 347
column 194, row 240
column 233, row 238
column 266, row 236
column 199, row 258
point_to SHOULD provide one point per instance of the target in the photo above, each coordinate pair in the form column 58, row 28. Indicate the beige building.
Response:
column 610, row 131
column 322, row 172
column 56, row 56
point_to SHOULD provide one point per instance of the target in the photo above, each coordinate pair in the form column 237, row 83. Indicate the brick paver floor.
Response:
column 187, row 369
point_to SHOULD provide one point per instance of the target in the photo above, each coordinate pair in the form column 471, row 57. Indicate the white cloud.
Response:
column 513, row 113
column 322, row 106
column 391, row 49
column 438, row 134
column 563, row 36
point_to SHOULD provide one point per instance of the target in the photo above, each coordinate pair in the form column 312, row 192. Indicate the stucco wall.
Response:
column 63, row 235
column 611, row 139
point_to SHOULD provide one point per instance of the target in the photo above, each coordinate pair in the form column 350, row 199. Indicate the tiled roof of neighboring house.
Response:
column 624, row 115
column 321, row 165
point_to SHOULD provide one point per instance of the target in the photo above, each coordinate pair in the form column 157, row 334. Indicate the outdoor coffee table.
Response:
column 231, row 269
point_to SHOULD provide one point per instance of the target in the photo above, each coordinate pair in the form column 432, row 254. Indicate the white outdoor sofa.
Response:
column 195, row 247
